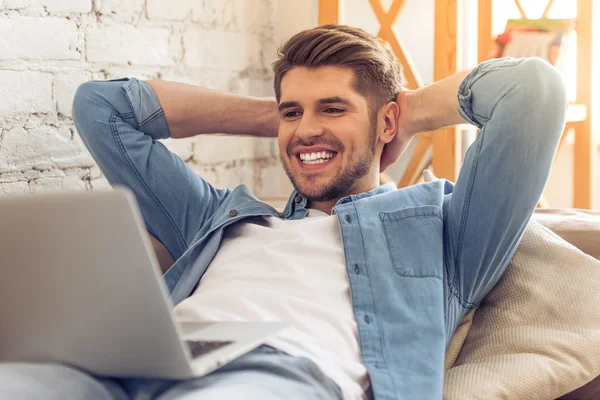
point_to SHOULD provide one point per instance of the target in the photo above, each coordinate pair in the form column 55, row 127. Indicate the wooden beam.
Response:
column 387, row 33
column 395, row 9
column 414, row 168
column 521, row 9
column 484, row 29
column 544, row 13
column 547, row 9
column 384, row 178
column 329, row 12
column 446, row 142
column 387, row 18
column 414, row 80
column 585, row 149
column 563, row 138
column 543, row 203
column 446, row 153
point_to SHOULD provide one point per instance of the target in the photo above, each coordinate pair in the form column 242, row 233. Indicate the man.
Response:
column 374, row 279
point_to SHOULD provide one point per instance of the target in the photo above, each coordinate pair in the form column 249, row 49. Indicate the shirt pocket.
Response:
column 415, row 240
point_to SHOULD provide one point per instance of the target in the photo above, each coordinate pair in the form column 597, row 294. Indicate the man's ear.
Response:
column 390, row 114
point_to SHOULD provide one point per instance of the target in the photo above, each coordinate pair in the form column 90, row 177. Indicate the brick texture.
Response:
column 49, row 47
column 202, row 53
column 127, row 44
column 68, row 6
column 121, row 10
column 173, row 9
column 25, row 92
column 20, row 38
column 66, row 84
column 52, row 6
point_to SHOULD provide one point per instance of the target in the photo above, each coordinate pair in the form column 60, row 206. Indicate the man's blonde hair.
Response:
column 377, row 72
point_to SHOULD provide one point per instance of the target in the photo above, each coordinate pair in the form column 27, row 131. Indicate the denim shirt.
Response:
column 418, row 258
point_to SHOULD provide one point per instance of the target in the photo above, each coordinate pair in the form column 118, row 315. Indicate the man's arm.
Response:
column 520, row 106
column 192, row 110
column 120, row 123
column 432, row 107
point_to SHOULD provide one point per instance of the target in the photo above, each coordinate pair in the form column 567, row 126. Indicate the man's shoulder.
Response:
column 431, row 193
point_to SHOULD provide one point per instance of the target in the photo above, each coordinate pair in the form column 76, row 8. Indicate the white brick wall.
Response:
column 66, row 83
column 23, row 92
column 49, row 47
column 54, row 6
column 173, row 9
column 37, row 38
column 128, row 44
column 121, row 10
column 202, row 53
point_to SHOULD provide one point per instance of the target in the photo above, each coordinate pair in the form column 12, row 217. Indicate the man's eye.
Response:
column 334, row 110
column 292, row 114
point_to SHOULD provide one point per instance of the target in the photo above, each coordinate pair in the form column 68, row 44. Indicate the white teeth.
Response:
column 322, row 155
column 320, row 161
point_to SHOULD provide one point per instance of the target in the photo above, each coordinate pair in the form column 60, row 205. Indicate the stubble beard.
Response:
column 360, row 165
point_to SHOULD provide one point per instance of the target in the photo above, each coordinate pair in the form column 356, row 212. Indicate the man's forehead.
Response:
column 301, row 83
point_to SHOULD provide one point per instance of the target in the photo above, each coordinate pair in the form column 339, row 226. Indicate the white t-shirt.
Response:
column 287, row 270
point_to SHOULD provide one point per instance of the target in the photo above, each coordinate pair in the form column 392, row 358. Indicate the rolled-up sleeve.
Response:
column 120, row 122
column 520, row 106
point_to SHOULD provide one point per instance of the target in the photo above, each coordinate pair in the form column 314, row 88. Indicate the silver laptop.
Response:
column 80, row 285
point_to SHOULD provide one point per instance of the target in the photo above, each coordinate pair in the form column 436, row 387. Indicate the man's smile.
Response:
column 315, row 161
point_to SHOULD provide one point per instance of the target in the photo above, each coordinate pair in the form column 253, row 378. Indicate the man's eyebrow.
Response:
column 288, row 104
column 334, row 99
column 326, row 100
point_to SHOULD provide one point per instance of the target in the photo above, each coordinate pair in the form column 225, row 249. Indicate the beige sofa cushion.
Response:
column 581, row 228
column 536, row 335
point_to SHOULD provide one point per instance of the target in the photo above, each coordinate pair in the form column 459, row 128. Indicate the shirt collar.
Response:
column 297, row 203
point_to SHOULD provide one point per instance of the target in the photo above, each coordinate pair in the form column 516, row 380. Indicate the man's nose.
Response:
column 309, row 127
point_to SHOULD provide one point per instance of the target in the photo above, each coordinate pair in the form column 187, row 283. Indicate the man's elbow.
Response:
column 92, row 109
column 543, row 86
column 81, row 101
column 541, row 92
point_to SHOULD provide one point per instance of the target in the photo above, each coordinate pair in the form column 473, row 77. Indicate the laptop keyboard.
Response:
column 201, row 347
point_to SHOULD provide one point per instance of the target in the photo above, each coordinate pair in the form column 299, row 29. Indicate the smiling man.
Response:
column 373, row 279
column 327, row 168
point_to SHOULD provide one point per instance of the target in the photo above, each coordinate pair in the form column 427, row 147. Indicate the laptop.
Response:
column 80, row 285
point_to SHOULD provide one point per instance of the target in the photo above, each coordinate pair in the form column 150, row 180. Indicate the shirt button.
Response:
column 367, row 321
column 348, row 219
column 297, row 199
column 232, row 213
column 356, row 269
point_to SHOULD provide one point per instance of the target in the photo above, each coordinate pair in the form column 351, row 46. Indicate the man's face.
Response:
column 326, row 135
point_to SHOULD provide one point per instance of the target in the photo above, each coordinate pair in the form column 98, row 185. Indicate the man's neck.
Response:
column 327, row 206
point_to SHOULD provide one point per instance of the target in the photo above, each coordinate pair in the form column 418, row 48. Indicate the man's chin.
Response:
column 317, row 192
column 314, row 188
